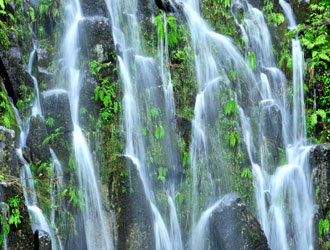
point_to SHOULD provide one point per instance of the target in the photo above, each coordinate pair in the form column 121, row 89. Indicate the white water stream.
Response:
column 96, row 224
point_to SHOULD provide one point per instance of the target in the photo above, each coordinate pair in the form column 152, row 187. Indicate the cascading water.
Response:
column 56, row 183
column 97, row 231
column 39, row 220
column 36, row 109
column 284, row 197
column 128, row 41
column 211, row 68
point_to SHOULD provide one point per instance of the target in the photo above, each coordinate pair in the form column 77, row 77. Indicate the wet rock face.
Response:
column 134, row 222
column 8, row 158
column 57, row 107
column 13, row 71
column 44, row 57
column 43, row 240
column 94, row 7
column 234, row 228
column 320, row 163
column 20, row 238
column 96, row 39
column 37, row 134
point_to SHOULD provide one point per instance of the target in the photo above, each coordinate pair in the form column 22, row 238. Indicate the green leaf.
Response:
column 157, row 132
column 323, row 227
column 313, row 120
column 2, row 4
column 232, row 140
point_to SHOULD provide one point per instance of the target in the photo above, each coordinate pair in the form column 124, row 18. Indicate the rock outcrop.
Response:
column 96, row 39
column 134, row 222
column 20, row 237
column 8, row 158
column 320, row 163
column 39, row 151
column 234, row 228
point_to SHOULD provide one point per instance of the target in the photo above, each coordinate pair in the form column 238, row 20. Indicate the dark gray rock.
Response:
column 57, row 106
column 96, row 39
column 37, row 134
column 234, row 228
column 319, row 160
column 43, row 240
column 89, row 109
column 8, row 158
column 44, row 57
column 134, row 222
column 14, row 73
column 94, row 8
column 183, row 125
column 20, row 237
column 272, row 125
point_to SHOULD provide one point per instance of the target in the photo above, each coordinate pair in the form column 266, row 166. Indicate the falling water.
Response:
column 129, row 43
column 36, row 109
column 284, row 198
column 56, row 183
column 211, row 71
column 284, row 195
column 39, row 220
column 97, row 230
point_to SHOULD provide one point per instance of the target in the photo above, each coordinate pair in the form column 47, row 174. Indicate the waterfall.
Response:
column 136, row 83
column 96, row 225
column 285, row 195
column 39, row 221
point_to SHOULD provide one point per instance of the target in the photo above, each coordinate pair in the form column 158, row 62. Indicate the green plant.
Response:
column 50, row 122
column 105, row 90
column 246, row 173
column 15, row 216
column 53, row 136
column 276, row 18
column 172, row 36
column 314, row 36
column 162, row 174
column 323, row 227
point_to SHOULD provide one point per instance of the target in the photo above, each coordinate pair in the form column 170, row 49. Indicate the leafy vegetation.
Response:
column 170, row 24
column 13, row 215
column 7, row 115
column 314, row 35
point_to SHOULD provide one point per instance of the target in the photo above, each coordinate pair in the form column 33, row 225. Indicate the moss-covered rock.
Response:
column 20, row 237
column 133, row 216
column 56, row 109
column 234, row 227
column 8, row 158
column 320, row 161
column 96, row 39
column 39, row 150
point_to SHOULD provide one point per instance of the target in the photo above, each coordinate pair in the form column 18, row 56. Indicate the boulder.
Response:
column 8, row 158
column 43, row 240
column 39, row 151
column 94, row 8
column 13, row 72
column 20, row 237
column 319, row 160
column 233, row 227
column 96, row 39
column 184, row 126
column 44, row 57
column 56, row 105
column 134, row 222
